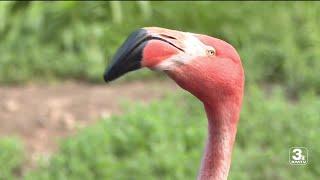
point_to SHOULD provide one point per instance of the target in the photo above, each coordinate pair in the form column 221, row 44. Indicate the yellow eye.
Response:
column 211, row 52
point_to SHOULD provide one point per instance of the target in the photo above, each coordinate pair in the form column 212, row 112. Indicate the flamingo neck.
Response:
column 222, row 128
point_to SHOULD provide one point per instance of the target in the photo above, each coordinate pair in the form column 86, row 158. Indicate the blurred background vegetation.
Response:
column 279, row 43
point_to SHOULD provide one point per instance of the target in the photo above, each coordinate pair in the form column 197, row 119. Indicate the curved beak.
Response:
column 130, row 55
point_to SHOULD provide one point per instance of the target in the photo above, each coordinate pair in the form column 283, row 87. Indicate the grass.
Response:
column 278, row 41
column 11, row 157
column 160, row 141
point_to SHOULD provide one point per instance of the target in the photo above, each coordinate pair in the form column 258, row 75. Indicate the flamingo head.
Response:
column 207, row 67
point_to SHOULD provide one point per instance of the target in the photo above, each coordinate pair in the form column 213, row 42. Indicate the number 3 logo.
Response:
column 298, row 154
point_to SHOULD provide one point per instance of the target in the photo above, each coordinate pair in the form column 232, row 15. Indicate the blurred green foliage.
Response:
column 278, row 41
column 159, row 141
column 11, row 157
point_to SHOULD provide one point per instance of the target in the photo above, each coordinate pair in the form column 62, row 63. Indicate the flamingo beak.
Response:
column 128, row 57
column 143, row 48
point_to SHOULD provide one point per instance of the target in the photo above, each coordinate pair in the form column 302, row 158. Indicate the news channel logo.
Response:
column 298, row 156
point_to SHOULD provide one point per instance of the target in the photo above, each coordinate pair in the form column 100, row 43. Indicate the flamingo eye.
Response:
column 211, row 52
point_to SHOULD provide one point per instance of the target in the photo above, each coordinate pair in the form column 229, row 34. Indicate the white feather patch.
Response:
column 193, row 48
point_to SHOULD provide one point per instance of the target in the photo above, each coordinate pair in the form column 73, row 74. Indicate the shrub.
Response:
column 278, row 41
column 165, row 140
column 11, row 157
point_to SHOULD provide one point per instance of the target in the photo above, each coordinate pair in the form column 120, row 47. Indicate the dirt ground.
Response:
column 42, row 114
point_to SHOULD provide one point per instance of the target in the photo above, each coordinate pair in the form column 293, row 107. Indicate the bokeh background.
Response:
column 48, row 44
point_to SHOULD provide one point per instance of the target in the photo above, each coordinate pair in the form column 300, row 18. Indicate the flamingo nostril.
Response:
column 167, row 36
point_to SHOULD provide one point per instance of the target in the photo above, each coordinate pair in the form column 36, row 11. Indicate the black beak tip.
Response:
column 106, row 78
column 128, row 57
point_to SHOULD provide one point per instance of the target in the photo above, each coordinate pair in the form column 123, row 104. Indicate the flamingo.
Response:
column 207, row 67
